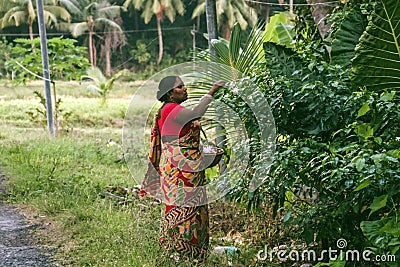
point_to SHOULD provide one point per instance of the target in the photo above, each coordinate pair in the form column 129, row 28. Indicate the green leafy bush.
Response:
column 67, row 61
column 337, row 137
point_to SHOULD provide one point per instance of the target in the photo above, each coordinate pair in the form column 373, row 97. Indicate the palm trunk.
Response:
column 267, row 11
column 227, row 32
column 31, row 36
column 91, row 48
column 160, row 40
column 94, row 55
column 107, row 52
column 135, row 20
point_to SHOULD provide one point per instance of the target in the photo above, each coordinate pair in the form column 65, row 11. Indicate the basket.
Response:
column 211, row 159
column 212, row 154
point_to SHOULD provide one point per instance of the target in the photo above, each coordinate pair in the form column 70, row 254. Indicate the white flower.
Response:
column 208, row 149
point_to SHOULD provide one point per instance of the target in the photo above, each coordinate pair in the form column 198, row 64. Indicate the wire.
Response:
column 284, row 4
column 31, row 72
column 129, row 59
column 98, row 33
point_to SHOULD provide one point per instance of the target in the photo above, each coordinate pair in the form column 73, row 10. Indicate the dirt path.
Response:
column 17, row 241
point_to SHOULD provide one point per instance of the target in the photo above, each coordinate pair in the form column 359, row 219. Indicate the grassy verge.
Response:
column 65, row 180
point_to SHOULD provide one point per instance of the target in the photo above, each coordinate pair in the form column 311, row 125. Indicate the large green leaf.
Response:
column 234, row 44
column 378, row 203
column 377, row 61
column 347, row 37
column 279, row 30
column 383, row 233
column 285, row 34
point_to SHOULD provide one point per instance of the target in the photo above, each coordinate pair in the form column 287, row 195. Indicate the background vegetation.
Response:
column 332, row 86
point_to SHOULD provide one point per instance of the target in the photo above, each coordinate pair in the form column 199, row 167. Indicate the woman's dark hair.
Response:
column 164, row 87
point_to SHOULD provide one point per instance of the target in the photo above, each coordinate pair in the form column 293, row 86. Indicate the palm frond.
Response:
column 72, row 6
column 109, row 12
column 50, row 18
column 18, row 17
column 156, row 7
column 170, row 14
column 78, row 29
column 234, row 45
column 95, row 75
column 59, row 12
column 179, row 6
column 199, row 10
column 147, row 12
column 94, row 88
column 107, row 23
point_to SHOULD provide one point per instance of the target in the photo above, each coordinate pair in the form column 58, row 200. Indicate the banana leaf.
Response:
column 376, row 64
column 279, row 30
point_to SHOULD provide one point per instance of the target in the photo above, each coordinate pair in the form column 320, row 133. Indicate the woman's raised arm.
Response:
column 186, row 114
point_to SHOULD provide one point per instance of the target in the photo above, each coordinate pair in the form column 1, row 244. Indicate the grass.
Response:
column 64, row 179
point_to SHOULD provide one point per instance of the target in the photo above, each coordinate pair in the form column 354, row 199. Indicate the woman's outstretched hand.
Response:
column 218, row 84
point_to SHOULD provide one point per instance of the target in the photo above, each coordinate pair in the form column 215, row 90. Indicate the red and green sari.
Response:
column 184, row 225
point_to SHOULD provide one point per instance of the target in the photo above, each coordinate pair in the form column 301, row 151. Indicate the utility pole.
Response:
column 211, row 16
column 45, row 64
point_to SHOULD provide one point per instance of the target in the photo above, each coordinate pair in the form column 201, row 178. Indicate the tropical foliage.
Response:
column 95, row 16
column 379, row 70
column 337, row 123
column 159, row 9
column 67, row 60
column 335, row 101
column 228, row 13
column 100, row 84
column 24, row 12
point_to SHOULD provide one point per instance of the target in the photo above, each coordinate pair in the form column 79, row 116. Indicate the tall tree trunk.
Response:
column 107, row 48
column 30, row 26
column 227, row 32
column 211, row 17
column 91, row 48
column 160, row 39
column 94, row 54
column 91, row 32
column 320, row 13
column 135, row 20
column 267, row 11
column 291, row 6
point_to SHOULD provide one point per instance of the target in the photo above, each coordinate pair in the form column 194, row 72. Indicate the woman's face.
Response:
column 179, row 93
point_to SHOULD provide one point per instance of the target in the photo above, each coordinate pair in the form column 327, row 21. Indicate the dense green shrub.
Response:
column 337, row 133
column 66, row 61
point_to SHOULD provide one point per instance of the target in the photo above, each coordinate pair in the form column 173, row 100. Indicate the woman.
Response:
column 184, row 225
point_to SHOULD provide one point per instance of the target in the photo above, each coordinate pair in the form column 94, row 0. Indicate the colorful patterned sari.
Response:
column 184, row 226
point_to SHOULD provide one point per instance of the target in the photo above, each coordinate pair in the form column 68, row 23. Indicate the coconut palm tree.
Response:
column 228, row 13
column 24, row 12
column 113, row 39
column 159, row 8
column 95, row 16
